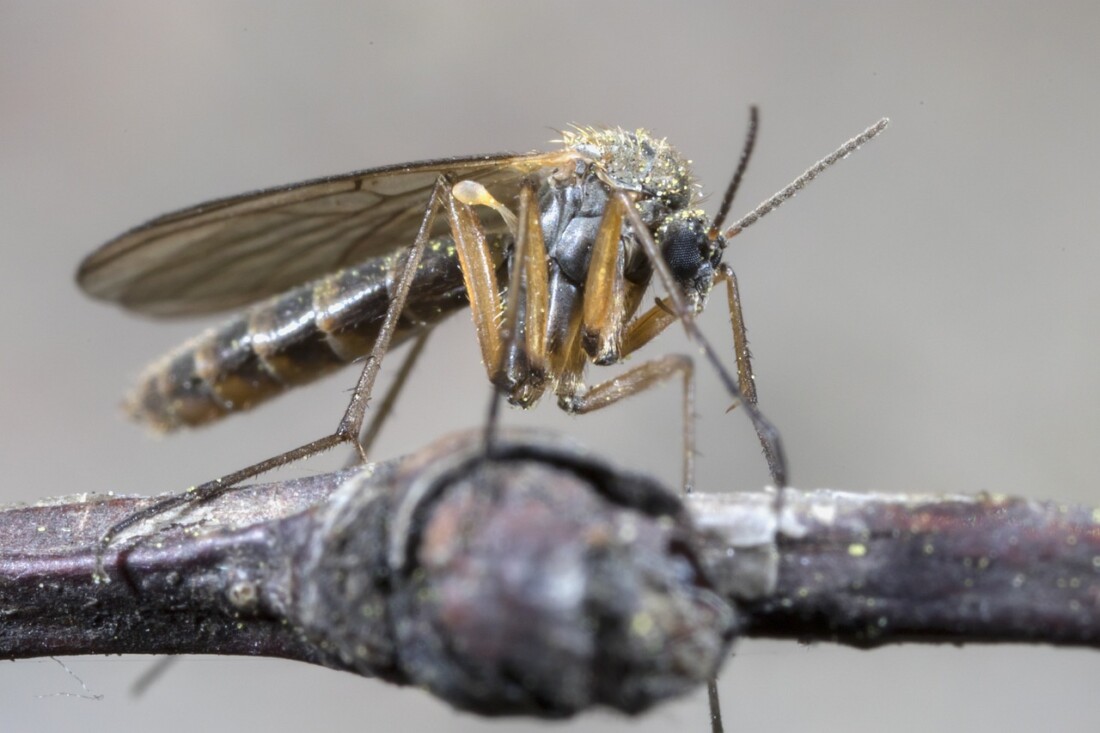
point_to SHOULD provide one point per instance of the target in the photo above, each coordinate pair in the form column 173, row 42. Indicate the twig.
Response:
column 543, row 582
column 866, row 570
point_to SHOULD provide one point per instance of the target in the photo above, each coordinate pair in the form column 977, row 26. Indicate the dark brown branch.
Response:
column 539, row 583
column 873, row 569
column 543, row 582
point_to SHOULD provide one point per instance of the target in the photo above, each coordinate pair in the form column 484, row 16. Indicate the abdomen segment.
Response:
column 292, row 339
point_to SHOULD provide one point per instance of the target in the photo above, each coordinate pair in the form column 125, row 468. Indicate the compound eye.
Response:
column 683, row 246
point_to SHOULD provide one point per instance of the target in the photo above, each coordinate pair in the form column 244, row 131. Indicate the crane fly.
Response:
column 339, row 268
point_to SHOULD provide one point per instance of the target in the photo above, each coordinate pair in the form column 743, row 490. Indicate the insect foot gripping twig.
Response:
column 540, row 581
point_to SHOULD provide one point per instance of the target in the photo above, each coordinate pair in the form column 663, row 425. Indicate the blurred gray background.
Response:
column 923, row 318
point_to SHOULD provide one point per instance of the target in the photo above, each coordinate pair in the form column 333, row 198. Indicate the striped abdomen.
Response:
column 293, row 338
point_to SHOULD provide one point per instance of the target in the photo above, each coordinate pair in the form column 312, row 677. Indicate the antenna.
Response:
column 742, row 164
column 811, row 173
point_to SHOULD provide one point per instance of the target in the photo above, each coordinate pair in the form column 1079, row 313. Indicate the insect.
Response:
column 339, row 268
column 331, row 275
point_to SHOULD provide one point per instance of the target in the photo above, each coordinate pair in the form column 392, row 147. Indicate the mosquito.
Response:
column 331, row 276
column 577, row 233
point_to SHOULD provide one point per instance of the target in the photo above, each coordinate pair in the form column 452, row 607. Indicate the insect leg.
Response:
column 746, row 382
column 601, row 334
column 715, row 707
column 639, row 379
column 346, row 431
column 385, row 407
column 522, row 368
column 479, row 274
column 768, row 434
column 642, row 330
column 535, row 288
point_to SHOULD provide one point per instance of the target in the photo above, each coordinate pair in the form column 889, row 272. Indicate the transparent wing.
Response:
column 233, row 251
